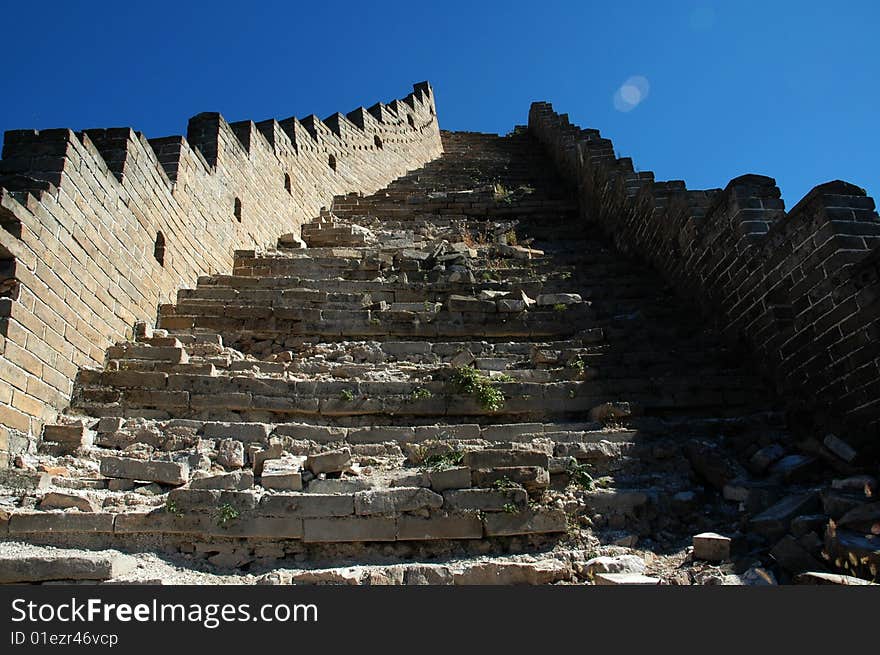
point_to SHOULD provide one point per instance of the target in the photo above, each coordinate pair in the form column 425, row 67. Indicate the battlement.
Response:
column 799, row 288
column 101, row 226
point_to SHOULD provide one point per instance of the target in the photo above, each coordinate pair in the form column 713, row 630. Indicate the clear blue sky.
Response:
column 788, row 89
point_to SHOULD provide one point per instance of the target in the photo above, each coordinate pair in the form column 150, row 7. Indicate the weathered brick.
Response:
column 307, row 505
column 534, row 479
column 349, row 529
column 59, row 522
column 439, row 526
column 396, row 500
column 485, row 500
column 489, row 458
column 525, row 522
column 149, row 470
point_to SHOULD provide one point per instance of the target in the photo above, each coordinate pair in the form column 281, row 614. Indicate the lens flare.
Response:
column 631, row 93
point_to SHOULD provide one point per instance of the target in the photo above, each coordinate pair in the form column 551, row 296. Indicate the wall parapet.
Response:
column 800, row 290
column 99, row 227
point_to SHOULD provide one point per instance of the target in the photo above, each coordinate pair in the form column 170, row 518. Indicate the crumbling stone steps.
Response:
column 241, row 319
column 115, row 432
column 263, row 526
column 309, row 270
column 126, row 393
column 303, row 406
column 571, row 439
column 592, row 288
column 503, row 570
column 337, row 260
column 600, row 359
column 580, row 364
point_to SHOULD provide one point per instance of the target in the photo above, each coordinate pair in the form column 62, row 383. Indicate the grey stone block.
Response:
column 396, row 500
column 63, row 566
column 526, row 522
column 148, row 470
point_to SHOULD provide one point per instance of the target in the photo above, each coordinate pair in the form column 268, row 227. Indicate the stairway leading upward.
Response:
column 455, row 368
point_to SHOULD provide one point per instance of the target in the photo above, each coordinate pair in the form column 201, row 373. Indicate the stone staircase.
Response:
column 454, row 367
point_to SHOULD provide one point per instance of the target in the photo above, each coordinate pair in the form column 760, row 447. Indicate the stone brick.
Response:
column 109, row 424
column 45, row 522
column 25, row 481
column 282, row 478
column 624, row 579
column 70, row 434
column 550, row 299
column 142, row 379
column 63, row 566
column 711, row 547
column 485, row 500
column 247, row 432
column 542, row 572
column 230, row 453
column 439, row 526
column 235, row 481
column 396, row 500
column 307, row 505
column 161, row 522
column 453, row 478
column 525, row 522
column 331, row 461
column 533, row 478
column 775, row 521
column 469, row 304
column 60, row 500
column 210, row 499
column 259, row 456
column 348, row 529
column 319, row 433
column 173, row 473
column 339, row 486
column 262, row 527
column 489, row 458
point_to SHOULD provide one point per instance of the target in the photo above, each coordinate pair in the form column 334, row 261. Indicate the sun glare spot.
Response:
column 631, row 93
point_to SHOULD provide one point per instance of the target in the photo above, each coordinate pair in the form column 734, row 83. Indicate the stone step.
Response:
column 116, row 393
column 594, row 273
column 120, row 433
column 417, row 368
column 568, row 438
column 309, row 518
column 38, row 565
column 495, row 571
column 611, row 301
column 235, row 319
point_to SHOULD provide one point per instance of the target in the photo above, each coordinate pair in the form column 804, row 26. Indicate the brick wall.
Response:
column 86, row 218
column 798, row 289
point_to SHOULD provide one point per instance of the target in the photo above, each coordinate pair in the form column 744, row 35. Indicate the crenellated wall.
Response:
column 100, row 226
column 799, row 289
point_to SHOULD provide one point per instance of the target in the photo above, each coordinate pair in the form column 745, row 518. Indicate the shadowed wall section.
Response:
column 799, row 289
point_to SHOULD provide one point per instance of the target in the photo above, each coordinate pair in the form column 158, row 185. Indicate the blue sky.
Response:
column 787, row 89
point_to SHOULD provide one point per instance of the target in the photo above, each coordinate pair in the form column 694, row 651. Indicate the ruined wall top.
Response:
column 799, row 288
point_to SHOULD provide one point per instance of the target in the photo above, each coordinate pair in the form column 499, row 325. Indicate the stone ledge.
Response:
column 349, row 528
column 62, row 566
column 439, row 526
column 526, row 522
column 74, row 522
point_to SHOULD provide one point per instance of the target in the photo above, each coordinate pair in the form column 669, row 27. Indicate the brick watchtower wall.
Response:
column 799, row 289
column 100, row 226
